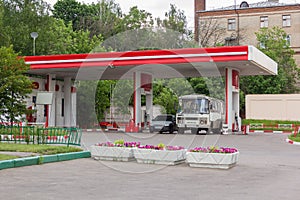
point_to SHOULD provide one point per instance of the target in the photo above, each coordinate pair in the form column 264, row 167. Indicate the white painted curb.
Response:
column 292, row 142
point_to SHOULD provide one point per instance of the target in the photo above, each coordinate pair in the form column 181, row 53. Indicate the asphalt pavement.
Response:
column 268, row 168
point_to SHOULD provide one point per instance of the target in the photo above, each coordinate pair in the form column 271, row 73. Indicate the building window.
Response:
column 264, row 22
column 286, row 20
column 288, row 40
column 231, row 24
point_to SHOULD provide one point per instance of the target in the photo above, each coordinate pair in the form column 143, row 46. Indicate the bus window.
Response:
column 203, row 106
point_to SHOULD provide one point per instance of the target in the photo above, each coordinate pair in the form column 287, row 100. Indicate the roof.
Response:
column 168, row 63
column 263, row 4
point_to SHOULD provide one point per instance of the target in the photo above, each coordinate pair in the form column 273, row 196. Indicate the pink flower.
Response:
column 213, row 149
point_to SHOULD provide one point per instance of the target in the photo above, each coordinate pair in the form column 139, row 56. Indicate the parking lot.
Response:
column 268, row 168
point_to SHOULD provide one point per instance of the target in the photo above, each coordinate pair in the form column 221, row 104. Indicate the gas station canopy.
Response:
column 172, row 63
column 142, row 66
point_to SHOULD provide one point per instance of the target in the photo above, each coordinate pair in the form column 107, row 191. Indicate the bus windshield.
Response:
column 194, row 106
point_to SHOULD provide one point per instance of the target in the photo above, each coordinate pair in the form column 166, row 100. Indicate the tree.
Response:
column 103, row 97
column 69, row 11
column 175, row 20
column 64, row 40
column 137, row 19
column 173, row 29
column 211, row 33
column 3, row 36
column 20, row 18
column 102, row 18
column 210, row 86
column 164, row 96
column 273, row 42
column 14, row 85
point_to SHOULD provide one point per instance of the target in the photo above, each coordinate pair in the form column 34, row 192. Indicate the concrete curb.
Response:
column 292, row 142
column 270, row 131
column 37, row 160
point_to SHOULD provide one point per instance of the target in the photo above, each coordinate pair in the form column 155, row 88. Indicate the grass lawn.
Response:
column 7, row 157
column 268, row 122
column 296, row 139
column 40, row 149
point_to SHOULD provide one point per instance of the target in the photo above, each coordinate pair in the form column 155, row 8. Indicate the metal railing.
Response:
column 38, row 135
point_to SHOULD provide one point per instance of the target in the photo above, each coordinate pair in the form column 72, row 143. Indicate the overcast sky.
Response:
column 158, row 7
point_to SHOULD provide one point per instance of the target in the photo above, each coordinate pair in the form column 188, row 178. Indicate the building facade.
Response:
column 60, row 111
column 237, row 24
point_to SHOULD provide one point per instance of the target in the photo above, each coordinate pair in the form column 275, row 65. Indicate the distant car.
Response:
column 163, row 123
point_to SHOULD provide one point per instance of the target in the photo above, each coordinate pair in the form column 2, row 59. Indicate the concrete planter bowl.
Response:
column 162, row 157
column 112, row 153
column 212, row 160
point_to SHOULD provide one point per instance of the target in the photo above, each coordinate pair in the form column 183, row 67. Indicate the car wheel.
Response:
column 151, row 130
column 171, row 128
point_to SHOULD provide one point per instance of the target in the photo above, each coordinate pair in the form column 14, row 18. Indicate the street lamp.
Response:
column 34, row 35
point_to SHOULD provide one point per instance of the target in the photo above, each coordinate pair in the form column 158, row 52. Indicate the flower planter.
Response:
column 112, row 153
column 212, row 160
column 162, row 157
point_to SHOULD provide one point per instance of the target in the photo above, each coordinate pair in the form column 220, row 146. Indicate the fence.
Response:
column 36, row 135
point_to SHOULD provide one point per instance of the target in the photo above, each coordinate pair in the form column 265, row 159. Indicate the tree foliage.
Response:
column 67, row 41
column 137, row 19
column 20, row 18
column 175, row 20
column 69, row 11
column 74, row 27
column 211, row 33
column 102, row 18
column 273, row 42
column 14, row 85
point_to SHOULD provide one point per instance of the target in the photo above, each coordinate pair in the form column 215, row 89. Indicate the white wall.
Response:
column 273, row 107
column 40, row 108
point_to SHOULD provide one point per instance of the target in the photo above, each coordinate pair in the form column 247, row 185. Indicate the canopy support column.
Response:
column 232, row 118
column 51, row 109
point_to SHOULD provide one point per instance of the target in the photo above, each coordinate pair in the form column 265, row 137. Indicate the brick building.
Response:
column 237, row 24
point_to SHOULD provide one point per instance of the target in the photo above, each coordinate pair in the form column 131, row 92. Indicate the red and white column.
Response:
column 232, row 118
column 51, row 109
column 142, row 85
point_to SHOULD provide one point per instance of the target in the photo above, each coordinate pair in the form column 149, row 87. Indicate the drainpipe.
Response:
column 238, row 23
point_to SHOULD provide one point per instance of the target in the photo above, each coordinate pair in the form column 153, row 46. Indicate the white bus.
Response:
column 200, row 113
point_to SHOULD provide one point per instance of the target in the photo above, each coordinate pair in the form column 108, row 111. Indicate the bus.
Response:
column 200, row 113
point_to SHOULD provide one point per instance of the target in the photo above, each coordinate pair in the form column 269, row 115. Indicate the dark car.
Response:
column 163, row 123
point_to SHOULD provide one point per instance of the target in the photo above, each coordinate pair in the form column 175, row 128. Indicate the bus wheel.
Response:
column 180, row 130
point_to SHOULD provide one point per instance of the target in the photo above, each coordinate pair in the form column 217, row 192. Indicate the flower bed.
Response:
column 117, row 151
column 212, row 157
column 169, row 155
